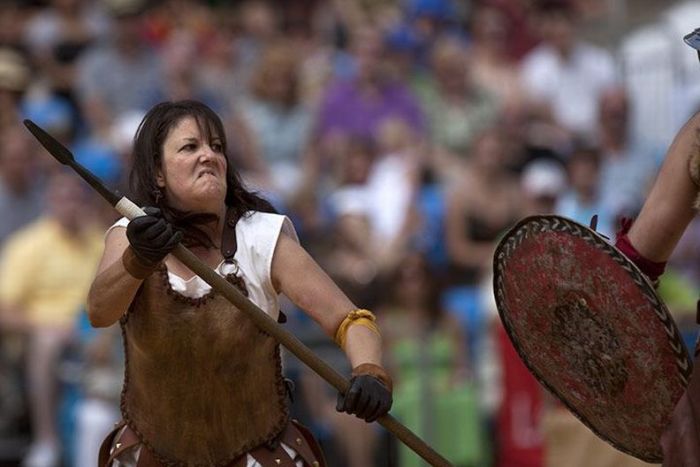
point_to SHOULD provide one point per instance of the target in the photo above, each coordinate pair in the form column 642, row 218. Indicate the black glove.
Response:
column 152, row 237
column 367, row 398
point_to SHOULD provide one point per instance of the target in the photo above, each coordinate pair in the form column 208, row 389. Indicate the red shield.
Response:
column 590, row 327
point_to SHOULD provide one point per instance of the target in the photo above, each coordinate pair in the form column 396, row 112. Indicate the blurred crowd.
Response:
column 402, row 137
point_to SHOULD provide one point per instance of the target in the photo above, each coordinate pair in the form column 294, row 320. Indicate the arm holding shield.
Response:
column 670, row 207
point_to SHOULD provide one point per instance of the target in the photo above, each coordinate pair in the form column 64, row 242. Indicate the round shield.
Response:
column 590, row 327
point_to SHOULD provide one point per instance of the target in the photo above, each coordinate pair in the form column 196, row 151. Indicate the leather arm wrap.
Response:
column 651, row 269
column 135, row 266
column 374, row 370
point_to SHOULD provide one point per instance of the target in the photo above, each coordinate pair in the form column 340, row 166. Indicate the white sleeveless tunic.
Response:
column 256, row 235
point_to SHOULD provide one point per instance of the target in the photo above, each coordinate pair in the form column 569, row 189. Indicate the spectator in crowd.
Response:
column 374, row 225
column 352, row 260
column 99, row 354
column 581, row 200
column 179, row 52
column 628, row 164
column 46, row 270
column 355, row 107
column 91, row 368
column 352, row 263
column 565, row 76
column 543, row 181
column 20, row 182
column 278, row 123
column 18, row 204
column 484, row 200
column 457, row 109
column 492, row 68
column 398, row 164
column 511, row 391
column 183, row 32
column 320, row 60
column 218, row 74
column 427, row 351
column 104, row 96
column 259, row 25
column 56, row 38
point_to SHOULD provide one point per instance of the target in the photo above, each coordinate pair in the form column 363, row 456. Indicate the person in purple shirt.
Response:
column 355, row 107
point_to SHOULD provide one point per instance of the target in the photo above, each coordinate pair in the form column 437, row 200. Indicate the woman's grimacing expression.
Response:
column 193, row 169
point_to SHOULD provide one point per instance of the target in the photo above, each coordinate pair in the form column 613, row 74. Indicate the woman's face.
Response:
column 193, row 169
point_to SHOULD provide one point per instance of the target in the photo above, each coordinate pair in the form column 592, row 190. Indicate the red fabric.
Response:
column 652, row 269
column 520, row 442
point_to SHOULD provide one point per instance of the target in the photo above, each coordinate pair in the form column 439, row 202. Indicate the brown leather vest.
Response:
column 203, row 385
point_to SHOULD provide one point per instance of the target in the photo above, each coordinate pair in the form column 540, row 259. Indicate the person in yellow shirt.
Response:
column 45, row 272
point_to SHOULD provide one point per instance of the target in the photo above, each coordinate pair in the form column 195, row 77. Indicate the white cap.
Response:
column 543, row 177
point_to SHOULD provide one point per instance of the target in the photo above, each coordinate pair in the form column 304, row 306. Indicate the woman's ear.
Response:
column 160, row 178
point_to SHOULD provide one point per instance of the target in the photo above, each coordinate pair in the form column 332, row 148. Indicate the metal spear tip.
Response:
column 693, row 39
column 51, row 144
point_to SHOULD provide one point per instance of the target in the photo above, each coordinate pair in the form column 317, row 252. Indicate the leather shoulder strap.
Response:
column 229, row 244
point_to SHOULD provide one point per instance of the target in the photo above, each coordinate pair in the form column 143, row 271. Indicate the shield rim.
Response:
column 509, row 241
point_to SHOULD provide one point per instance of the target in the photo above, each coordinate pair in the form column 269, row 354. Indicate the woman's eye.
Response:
column 189, row 147
column 216, row 147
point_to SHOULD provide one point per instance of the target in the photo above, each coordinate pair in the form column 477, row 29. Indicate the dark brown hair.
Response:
column 148, row 157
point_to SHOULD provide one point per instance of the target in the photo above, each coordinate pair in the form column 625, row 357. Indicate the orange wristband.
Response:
column 361, row 317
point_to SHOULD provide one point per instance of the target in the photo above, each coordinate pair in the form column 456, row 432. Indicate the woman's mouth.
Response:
column 206, row 172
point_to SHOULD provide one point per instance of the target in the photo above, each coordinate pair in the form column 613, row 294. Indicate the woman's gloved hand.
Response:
column 369, row 394
column 151, row 238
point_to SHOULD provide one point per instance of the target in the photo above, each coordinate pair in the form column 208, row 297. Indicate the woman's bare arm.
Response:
column 300, row 278
column 114, row 288
column 669, row 207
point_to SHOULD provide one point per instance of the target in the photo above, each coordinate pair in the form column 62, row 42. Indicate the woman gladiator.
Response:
column 204, row 386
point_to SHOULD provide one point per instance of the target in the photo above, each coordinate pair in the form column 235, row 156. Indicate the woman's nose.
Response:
column 206, row 153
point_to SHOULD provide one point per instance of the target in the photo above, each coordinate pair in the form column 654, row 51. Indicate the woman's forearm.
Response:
column 669, row 206
column 111, row 294
column 363, row 345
